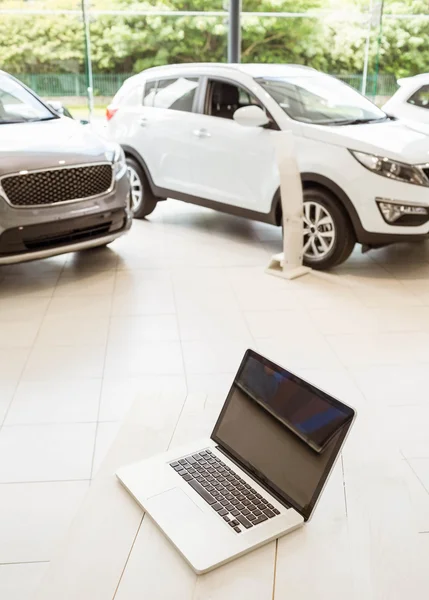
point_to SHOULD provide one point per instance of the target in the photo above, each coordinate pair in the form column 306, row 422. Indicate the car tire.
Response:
column 143, row 200
column 329, row 237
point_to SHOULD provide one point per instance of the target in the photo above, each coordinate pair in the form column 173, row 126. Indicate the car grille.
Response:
column 41, row 188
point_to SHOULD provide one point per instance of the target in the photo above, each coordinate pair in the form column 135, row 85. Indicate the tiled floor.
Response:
column 173, row 305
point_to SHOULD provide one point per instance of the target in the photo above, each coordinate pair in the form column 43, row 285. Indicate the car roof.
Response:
column 422, row 78
column 254, row 70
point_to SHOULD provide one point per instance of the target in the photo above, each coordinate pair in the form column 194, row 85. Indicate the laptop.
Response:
column 258, row 477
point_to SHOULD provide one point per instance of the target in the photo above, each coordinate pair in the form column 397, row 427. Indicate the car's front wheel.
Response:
column 329, row 238
column 143, row 201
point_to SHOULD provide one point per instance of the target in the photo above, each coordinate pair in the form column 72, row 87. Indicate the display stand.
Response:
column 288, row 264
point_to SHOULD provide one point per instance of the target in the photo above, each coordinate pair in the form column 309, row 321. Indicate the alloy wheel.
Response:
column 136, row 189
column 319, row 231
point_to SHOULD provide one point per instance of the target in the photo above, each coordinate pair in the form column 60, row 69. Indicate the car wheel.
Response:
column 143, row 201
column 328, row 234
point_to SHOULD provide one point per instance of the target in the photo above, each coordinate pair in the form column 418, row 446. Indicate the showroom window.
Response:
column 421, row 97
column 177, row 93
column 223, row 99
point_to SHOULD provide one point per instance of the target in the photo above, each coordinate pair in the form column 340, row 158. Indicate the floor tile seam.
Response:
column 44, row 481
column 103, row 371
column 31, row 348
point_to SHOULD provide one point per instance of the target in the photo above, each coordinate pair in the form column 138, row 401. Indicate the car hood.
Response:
column 46, row 144
column 394, row 139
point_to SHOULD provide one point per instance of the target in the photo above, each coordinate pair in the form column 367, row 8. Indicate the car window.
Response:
column 421, row 97
column 177, row 93
column 223, row 99
column 17, row 105
column 133, row 97
column 149, row 93
column 321, row 100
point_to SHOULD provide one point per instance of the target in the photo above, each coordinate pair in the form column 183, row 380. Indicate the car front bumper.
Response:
column 71, row 235
column 31, row 234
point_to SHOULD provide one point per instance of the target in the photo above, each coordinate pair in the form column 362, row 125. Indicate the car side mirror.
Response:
column 251, row 116
column 59, row 108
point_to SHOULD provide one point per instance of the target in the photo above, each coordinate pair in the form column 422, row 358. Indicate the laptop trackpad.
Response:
column 175, row 504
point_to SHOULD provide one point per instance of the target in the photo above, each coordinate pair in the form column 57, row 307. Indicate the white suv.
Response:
column 365, row 175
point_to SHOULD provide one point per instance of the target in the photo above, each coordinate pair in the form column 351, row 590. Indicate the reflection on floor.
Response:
column 173, row 305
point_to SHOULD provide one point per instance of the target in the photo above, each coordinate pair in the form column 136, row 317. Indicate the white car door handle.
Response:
column 143, row 121
column 202, row 133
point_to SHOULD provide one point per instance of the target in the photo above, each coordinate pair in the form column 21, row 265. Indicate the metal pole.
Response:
column 367, row 48
column 379, row 40
column 88, row 62
column 234, row 33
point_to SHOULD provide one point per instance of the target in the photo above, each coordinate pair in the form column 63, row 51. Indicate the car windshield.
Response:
column 321, row 100
column 17, row 105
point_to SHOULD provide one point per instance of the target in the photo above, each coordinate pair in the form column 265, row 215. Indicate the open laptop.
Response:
column 259, row 475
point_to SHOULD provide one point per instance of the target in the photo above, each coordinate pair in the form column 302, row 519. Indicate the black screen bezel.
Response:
column 305, row 511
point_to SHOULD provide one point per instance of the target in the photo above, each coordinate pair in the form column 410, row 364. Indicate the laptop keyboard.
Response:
column 229, row 495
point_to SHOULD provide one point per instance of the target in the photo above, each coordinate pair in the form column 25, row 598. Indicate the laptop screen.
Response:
column 283, row 429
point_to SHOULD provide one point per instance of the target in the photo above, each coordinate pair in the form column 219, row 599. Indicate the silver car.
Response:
column 62, row 187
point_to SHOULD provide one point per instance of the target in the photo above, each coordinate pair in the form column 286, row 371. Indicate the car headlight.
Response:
column 119, row 163
column 391, row 168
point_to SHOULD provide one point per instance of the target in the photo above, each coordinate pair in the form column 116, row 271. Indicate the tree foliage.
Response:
column 54, row 43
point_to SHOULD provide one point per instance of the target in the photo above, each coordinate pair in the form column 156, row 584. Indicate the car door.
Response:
column 157, row 127
column 231, row 164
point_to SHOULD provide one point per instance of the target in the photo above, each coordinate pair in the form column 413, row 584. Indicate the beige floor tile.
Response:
column 55, row 330
column 279, row 323
column 381, row 349
column 55, row 452
column 143, row 328
column 80, row 307
column 29, row 287
column 381, row 292
column 36, row 269
column 85, row 284
column 23, row 308
column 63, row 401
column 145, row 358
column 150, row 298
column 390, row 385
column 34, row 517
column 420, row 466
column 18, row 334
column 298, row 352
column 354, row 319
column 20, row 581
column 106, row 434
column 64, row 362
column 7, row 391
column 213, row 357
column 207, row 298
column 12, row 363
column 253, row 298
column 209, row 325
column 95, row 259
column 118, row 394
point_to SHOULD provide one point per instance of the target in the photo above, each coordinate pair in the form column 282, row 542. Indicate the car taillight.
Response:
column 110, row 112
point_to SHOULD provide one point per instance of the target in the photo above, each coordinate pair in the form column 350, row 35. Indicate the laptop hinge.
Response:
column 254, row 477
